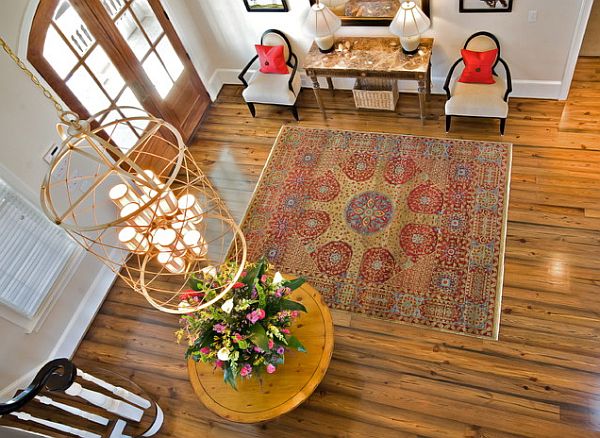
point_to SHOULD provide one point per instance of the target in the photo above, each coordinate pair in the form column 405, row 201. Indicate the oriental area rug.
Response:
column 403, row 228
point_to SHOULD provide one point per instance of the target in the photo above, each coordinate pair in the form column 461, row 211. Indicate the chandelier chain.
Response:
column 34, row 79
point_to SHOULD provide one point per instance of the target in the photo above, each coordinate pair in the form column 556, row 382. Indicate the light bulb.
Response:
column 176, row 265
column 194, row 241
column 149, row 182
column 190, row 210
column 120, row 195
column 135, row 241
column 168, row 202
column 138, row 220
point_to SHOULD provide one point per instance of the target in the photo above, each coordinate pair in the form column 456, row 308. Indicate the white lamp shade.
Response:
column 320, row 21
column 409, row 21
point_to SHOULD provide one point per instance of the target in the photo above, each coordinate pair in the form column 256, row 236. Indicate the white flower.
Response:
column 223, row 354
column 184, row 306
column 277, row 278
column 209, row 271
column 227, row 306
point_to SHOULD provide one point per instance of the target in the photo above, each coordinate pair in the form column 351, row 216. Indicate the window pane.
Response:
column 113, row 6
column 70, row 24
column 133, row 35
column 105, row 71
column 121, row 134
column 145, row 15
column 129, row 99
column 58, row 54
column 87, row 91
column 169, row 57
column 158, row 75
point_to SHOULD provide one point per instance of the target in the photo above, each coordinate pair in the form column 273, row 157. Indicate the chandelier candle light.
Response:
column 146, row 211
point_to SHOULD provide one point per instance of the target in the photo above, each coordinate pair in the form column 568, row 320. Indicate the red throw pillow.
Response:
column 478, row 66
column 271, row 59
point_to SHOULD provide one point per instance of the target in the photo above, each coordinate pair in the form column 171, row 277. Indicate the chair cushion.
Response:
column 478, row 100
column 478, row 66
column 271, row 59
column 273, row 89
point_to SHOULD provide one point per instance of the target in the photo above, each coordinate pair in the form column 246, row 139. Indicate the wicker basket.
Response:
column 374, row 93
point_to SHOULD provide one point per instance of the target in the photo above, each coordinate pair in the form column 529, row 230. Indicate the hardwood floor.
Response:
column 541, row 379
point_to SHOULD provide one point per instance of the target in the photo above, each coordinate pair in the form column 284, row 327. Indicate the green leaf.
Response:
column 292, row 305
column 294, row 284
column 262, row 296
column 259, row 336
column 293, row 342
column 228, row 377
column 204, row 340
column 243, row 344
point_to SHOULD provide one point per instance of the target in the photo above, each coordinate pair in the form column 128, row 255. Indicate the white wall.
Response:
column 536, row 52
column 27, row 122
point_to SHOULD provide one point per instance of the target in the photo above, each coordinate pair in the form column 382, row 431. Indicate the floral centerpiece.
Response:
column 250, row 332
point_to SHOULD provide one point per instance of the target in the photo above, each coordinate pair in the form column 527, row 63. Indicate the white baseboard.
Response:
column 521, row 88
column 75, row 329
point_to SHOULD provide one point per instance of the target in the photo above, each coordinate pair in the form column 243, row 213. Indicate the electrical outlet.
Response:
column 49, row 156
column 533, row 15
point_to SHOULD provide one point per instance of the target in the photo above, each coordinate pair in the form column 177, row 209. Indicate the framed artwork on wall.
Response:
column 266, row 5
column 485, row 5
column 368, row 12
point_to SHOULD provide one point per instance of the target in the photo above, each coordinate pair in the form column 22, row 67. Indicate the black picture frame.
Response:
column 267, row 9
column 373, row 21
column 462, row 8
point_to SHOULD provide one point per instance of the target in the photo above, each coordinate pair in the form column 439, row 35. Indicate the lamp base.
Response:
column 410, row 45
column 325, row 44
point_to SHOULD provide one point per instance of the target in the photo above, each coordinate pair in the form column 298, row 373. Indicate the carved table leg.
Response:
column 429, row 82
column 330, row 85
column 422, row 97
column 317, row 89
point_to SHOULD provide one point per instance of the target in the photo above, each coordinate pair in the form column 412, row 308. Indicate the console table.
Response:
column 371, row 57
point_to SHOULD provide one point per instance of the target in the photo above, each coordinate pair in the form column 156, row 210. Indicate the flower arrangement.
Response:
column 250, row 332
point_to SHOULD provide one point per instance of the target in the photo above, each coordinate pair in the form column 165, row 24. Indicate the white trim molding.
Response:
column 521, row 88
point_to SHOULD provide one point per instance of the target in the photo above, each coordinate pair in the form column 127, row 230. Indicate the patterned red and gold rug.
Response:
column 403, row 228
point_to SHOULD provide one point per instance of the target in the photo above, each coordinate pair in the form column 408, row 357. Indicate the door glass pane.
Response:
column 113, row 6
column 145, row 15
column 169, row 57
column 158, row 75
column 105, row 71
column 128, row 99
column 133, row 35
column 87, row 91
column 121, row 134
column 58, row 54
column 70, row 24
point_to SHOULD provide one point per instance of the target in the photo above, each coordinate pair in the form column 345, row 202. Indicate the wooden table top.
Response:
column 289, row 386
column 370, row 54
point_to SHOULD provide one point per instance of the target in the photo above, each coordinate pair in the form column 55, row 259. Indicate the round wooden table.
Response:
column 289, row 386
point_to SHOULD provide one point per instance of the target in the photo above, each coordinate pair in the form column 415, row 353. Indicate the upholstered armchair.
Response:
column 273, row 89
column 478, row 99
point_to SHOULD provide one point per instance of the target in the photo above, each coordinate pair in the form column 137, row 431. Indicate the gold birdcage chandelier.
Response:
column 148, row 211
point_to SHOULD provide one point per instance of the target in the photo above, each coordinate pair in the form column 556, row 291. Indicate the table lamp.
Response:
column 321, row 23
column 409, row 23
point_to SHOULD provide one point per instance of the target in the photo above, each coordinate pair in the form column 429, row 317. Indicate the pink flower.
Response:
column 280, row 350
column 271, row 368
column 246, row 370
column 243, row 274
column 263, row 279
column 271, row 344
column 295, row 314
column 237, row 337
column 218, row 363
column 239, row 285
column 256, row 315
column 219, row 328
column 258, row 349
column 186, row 295
column 205, row 350
column 286, row 331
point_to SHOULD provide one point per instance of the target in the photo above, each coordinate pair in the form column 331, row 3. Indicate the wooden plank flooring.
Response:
column 541, row 379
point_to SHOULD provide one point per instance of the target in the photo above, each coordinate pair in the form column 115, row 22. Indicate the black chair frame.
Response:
column 292, row 62
column 498, row 60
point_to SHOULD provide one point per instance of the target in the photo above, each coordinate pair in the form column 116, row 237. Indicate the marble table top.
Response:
column 370, row 54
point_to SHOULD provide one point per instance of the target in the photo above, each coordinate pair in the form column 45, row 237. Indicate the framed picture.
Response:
column 368, row 12
column 485, row 5
column 266, row 5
